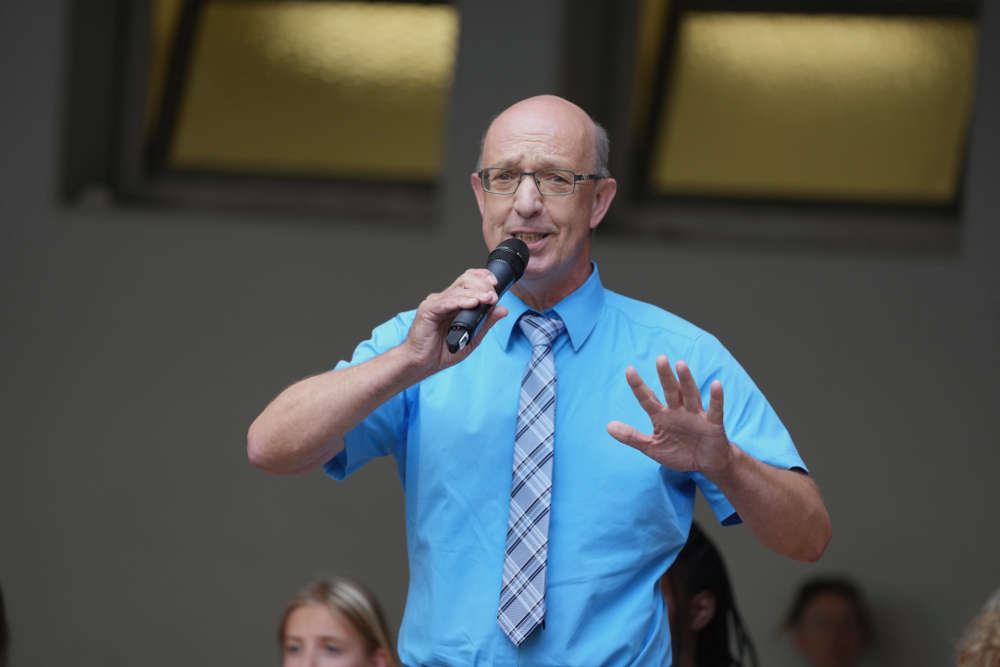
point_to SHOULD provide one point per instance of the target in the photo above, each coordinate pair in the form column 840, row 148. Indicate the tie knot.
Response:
column 541, row 330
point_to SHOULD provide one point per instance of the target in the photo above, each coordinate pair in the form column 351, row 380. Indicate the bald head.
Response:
column 560, row 116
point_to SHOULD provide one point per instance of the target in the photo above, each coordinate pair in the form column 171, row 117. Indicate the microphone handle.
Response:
column 499, row 263
column 464, row 326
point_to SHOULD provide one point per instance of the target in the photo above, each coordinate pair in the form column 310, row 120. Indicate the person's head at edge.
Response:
column 538, row 133
column 335, row 621
column 4, row 636
column 702, row 608
column 980, row 642
column 830, row 622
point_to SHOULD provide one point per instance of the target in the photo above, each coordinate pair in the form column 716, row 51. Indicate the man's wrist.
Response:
column 411, row 363
column 728, row 467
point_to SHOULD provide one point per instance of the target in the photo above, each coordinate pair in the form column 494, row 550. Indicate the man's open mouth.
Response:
column 529, row 237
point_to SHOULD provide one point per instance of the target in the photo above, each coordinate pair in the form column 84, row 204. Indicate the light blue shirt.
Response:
column 618, row 518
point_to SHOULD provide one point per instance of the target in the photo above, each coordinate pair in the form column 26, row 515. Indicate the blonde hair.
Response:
column 355, row 603
column 980, row 643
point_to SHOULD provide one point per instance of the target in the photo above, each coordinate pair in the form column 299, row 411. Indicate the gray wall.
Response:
column 137, row 346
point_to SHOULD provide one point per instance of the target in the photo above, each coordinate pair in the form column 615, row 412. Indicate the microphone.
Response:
column 507, row 262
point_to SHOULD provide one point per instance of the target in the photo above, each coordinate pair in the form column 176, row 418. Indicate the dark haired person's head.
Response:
column 4, row 636
column 335, row 622
column 830, row 622
column 705, row 625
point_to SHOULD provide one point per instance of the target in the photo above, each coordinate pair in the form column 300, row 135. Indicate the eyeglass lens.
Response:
column 550, row 181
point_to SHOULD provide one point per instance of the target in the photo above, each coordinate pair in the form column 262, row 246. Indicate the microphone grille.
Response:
column 514, row 252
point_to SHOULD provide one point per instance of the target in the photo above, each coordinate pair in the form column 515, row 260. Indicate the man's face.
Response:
column 535, row 134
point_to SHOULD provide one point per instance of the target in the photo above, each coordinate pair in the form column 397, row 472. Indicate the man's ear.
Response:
column 702, row 610
column 477, row 188
column 604, row 192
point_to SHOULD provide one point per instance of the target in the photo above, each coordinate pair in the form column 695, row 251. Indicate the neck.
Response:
column 540, row 295
column 538, row 300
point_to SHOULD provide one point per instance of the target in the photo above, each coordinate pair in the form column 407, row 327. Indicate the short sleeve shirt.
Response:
column 618, row 518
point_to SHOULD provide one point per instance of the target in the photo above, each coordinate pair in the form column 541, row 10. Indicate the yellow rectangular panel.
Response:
column 351, row 89
column 867, row 108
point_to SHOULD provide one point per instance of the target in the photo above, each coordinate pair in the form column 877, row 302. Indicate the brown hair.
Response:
column 352, row 600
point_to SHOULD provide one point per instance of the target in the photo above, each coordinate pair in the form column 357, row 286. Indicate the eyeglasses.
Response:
column 550, row 182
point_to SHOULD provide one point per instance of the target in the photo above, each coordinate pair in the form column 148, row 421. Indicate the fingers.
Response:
column 715, row 403
column 443, row 307
column 690, row 395
column 476, row 279
column 681, row 390
column 629, row 435
column 647, row 399
column 469, row 290
column 671, row 390
column 479, row 284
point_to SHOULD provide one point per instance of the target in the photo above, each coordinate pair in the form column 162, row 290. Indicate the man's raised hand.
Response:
column 684, row 436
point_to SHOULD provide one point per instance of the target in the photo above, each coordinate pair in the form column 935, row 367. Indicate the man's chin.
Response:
column 534, row 272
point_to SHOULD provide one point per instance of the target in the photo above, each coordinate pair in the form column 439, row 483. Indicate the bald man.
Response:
column 539, row 517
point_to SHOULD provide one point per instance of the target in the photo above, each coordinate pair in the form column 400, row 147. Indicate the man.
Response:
column 557, row 561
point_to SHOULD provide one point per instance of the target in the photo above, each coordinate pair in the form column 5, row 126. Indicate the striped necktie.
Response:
column 522, row 597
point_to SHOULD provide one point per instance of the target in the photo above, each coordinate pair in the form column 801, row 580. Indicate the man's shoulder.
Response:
column 640, row 314
column 389, row 333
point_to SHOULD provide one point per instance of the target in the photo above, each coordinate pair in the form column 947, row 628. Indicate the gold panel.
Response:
column 318, row 88
column 869, row 108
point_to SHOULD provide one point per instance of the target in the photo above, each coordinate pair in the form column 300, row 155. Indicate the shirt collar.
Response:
column 579, row 311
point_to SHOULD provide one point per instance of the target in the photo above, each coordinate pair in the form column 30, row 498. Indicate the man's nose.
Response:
column 527, row 197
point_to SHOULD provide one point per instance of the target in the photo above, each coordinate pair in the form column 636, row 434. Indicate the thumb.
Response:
column 495, row 315
column 629, row 435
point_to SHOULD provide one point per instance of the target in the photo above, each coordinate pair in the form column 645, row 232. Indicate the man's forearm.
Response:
column 305, row 425
column 782, row 508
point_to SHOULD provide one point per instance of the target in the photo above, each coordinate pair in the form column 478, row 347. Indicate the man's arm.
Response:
column 782, row 508
column 305, row 425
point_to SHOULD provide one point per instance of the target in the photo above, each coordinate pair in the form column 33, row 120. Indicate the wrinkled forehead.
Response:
column 538, row 135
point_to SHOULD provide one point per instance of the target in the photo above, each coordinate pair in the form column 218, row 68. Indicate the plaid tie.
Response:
column 522, row 598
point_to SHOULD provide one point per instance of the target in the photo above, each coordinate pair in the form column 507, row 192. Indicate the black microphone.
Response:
column 507, row 263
